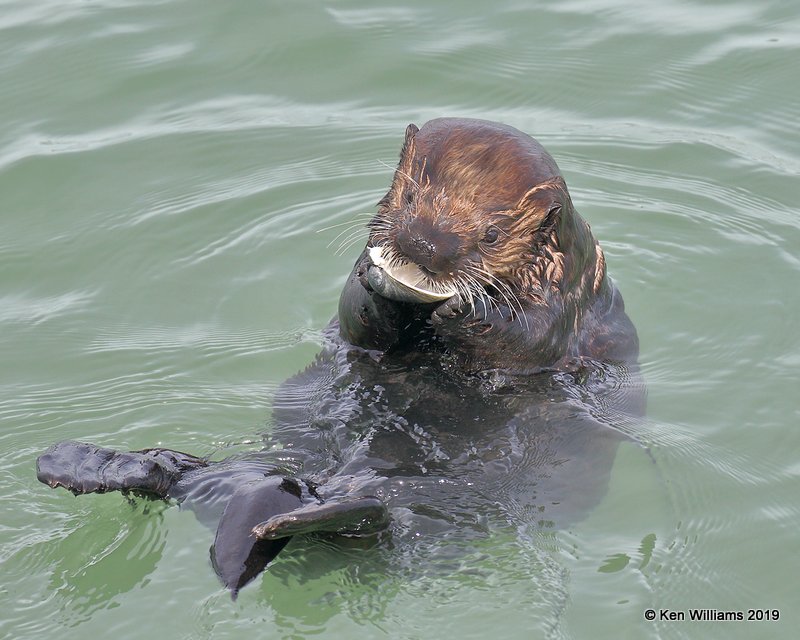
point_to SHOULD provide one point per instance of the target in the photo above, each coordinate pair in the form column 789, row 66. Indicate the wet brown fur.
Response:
column 457, row 179
column 465, row 176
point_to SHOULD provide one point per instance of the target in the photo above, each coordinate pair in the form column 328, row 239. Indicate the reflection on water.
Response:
column 88, row 577
column 90, row 561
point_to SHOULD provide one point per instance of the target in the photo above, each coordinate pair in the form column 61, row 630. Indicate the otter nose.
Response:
column 419, row 250
column 432, row 249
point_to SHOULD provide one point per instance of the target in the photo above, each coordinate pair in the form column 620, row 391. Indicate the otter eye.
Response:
column 409, row 197
column 491, row 235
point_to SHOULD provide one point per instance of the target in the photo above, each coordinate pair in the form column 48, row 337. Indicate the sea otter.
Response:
column 480, row 360
column 479, row 215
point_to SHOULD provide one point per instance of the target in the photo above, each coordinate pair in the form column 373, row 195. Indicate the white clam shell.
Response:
column 405, row 282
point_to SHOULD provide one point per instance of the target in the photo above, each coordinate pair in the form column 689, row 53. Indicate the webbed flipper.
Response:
column 260, row 516
column 356, row 516
column 85, row 468
column 237, row 555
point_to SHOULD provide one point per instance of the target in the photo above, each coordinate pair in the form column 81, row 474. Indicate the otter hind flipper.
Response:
column 85, row 468
column 237, row 555
column 263, row 515
column 354, row 516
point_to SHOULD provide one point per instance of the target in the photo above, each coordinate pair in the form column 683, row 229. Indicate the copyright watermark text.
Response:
column 712, row 615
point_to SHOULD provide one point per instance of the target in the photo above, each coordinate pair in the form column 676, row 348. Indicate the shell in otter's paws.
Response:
column 404, row 282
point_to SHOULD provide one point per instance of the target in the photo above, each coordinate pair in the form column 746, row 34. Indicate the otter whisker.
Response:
column 379, row 221
column 514, row 303
column 365, row 214
column 345, row 247
column 351, row 236
column 492, row 280
column 464, row 294
column 381, row 232
column 515, row 310
column 402, row 173
column 475, row 290
column 346, row 232
column 476, row 285
column 350, row 224
column 348, row 241
column 483, row 302
column 485, row 298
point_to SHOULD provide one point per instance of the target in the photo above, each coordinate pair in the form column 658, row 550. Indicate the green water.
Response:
column 170, row 173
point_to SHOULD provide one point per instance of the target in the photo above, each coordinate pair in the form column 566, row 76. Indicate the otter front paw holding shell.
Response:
column 452, row 308
column 476, row 317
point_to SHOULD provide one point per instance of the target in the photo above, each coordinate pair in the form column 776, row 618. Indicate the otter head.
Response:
column 481, row 209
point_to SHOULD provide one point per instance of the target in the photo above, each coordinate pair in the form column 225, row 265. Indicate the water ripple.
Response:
column 24, row 308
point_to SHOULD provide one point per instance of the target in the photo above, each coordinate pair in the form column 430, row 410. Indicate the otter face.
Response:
column 471, row 206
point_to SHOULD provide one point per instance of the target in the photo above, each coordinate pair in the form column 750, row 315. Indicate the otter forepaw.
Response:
column 361, row 271
column 449, row 310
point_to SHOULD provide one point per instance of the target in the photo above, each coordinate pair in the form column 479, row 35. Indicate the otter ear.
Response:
column 544, row 201
column 403, row 171
column 405, row 168
column 408, row 143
